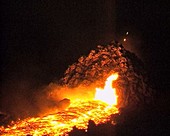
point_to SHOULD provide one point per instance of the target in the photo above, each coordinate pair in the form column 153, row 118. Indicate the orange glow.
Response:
column 108, row 94
column 77, row 114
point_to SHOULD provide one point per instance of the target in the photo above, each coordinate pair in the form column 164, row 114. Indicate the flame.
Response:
column 108, row 94
column 77, row 114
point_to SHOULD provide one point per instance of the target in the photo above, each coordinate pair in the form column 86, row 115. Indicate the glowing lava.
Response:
column 77, row 114
column 108, row 94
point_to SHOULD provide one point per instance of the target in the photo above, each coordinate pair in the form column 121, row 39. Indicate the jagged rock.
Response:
column 132, row 84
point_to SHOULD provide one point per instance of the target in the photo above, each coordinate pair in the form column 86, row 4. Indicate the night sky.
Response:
column 41, row 38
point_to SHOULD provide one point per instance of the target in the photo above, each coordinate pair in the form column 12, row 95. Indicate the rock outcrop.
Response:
column 132, row 85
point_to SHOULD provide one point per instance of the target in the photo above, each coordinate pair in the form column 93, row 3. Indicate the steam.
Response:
column 55, row 97
column 17, row 99
column 23, row 101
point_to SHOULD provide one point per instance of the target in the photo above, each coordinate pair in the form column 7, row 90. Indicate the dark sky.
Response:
column 148, row 22
column 40, row 39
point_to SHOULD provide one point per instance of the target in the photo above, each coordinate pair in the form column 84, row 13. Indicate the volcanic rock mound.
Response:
column 132, row 84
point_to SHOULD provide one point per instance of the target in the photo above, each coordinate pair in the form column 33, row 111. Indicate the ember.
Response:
column 78, row 114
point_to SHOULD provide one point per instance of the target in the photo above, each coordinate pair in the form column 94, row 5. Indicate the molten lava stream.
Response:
column 78, row 114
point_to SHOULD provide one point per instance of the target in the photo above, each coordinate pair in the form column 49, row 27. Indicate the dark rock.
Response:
column 132, row 85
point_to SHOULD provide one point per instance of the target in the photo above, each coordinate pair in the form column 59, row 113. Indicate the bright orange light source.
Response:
column 77, row 114
column 124, row 39
column 108, row 94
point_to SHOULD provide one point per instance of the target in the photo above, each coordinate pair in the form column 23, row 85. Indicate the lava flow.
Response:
column 77, row 114
column 108, row 94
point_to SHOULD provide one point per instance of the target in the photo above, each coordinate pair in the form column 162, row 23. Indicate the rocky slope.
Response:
column 132, row 85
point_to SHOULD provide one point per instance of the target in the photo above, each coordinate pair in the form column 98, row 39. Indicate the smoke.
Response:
column 23, row 101
column 54, row 97
column 16, row 99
